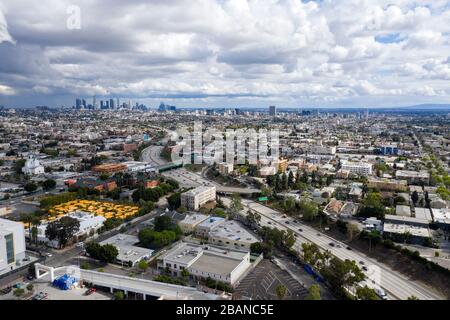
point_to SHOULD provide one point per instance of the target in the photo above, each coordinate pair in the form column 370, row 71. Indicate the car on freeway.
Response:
column 90, row 291
column 269, row 222
column 361, row 263
column 295, row 221
column 287, row 222
column 49, row 254
column 318, row 234
column 331, row 244
column 365, row 268
column 300, row 230
column 349, row 248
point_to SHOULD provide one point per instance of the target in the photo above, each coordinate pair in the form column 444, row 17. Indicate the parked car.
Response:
column 90, row 291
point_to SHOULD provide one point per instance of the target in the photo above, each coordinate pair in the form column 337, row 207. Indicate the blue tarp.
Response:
column 64, row 282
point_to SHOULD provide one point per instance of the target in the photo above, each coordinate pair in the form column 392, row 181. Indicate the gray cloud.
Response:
column 207, row 51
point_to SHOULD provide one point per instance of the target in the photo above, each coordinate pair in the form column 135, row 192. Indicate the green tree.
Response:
column 372, row 206
column 309, row 210
column 415, row 197
column 119, row 295
column 49, row 184
column 236, row 204
column 30, row 187
column 314, row 293
column 174, row 201
column 62, row 230
column 143, row 265
column 281, row 291
column 366, row 293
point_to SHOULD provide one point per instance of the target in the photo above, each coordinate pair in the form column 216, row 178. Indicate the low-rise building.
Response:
column 225, row 168
column 388, row 184
column 413, row 177
column 33, row 166
column 202, row 262
column 202, row 229
column 110, row 168
column 12, row 244
column 89, row 224
column 195, row 198
column 190, row 222
column 231, row 234
column 360, row 168
column 129, row 253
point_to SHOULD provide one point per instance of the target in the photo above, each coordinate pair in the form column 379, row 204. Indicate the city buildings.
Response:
column 89, row 224
column 413, row 177
column 202, row 262
column 190, row 222
column 360, row 168
column 33, row 166
column 195, row 198
column 225, row 168
column 129, row 253
column 12, row 244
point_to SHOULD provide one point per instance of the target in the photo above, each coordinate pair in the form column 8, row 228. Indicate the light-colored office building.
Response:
column 225, row 265
column 195, row 198
column 202, row 229
column 361, row 168
column 231, row 234
column 191, row 221
column 12, row 244
column 413, row 177
column 225, row 168
column 89, row 223
column 129, row 253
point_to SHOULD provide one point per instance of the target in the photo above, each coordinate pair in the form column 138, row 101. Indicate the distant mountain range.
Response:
column 427, row 107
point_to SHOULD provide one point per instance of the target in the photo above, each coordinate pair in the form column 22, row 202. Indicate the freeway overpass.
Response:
column 126, row 284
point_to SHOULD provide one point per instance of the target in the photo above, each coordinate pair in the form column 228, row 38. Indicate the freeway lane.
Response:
column 394, row 283
column 186, row 178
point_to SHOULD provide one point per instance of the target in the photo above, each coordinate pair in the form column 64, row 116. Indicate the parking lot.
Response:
column 261, row 284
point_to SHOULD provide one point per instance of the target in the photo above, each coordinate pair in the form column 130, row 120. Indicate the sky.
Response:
column 226, row 53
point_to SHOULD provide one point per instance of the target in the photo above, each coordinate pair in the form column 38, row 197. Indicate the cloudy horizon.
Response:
column 226, row 53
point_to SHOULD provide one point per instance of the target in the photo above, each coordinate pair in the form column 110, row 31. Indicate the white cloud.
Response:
column 289, row 51
column 6, row 90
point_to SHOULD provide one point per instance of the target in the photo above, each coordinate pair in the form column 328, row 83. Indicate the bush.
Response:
column 119, row 295
column 19, row 292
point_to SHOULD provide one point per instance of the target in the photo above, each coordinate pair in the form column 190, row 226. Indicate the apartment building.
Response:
column 195, row 198
column 225, row 168
column 360, row 168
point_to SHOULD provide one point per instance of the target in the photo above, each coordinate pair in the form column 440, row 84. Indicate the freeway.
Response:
column 186, row 178
column 396, row 285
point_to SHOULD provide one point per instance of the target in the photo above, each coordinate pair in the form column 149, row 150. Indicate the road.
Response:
column 396, row 285
column 186, row 178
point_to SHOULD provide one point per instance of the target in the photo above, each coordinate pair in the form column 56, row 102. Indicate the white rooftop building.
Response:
column 33, row 166
column 88, row 223
column 195, row 198
column 12, row 244
column 361, row 168
column 129, row 253
column 231, row 233
column 225, row 265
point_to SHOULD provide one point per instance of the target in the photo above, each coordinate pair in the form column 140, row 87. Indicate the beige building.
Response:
column 188, row 224
column 225, row 168
column 195, row 198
